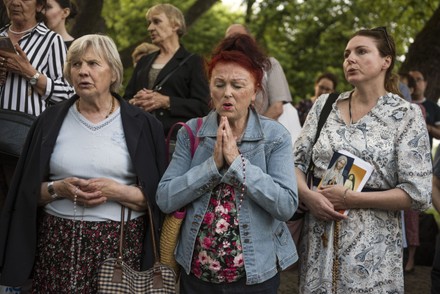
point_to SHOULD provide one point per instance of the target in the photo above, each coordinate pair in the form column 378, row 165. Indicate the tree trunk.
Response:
column 424, row 55
column 198, row 9
column 89, row 19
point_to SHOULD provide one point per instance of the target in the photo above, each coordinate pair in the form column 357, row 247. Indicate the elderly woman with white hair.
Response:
column 84, row 160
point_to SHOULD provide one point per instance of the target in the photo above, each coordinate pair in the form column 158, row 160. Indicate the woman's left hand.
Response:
column 128, row 195
column 335, row 194
column 150, row 100
column 229, row 144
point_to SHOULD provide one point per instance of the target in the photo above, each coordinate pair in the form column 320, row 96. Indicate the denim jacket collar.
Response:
column 253, row 132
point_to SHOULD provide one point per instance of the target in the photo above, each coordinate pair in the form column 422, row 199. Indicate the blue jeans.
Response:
column 189, row 284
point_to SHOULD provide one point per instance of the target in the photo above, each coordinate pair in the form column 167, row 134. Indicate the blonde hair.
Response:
column 104, row 47
column 172, row 13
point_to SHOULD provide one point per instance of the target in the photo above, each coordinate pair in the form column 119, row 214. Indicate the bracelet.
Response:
column 51, row 190
column 345, row 197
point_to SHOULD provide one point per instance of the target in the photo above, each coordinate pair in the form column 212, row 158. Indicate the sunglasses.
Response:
column 387, row 37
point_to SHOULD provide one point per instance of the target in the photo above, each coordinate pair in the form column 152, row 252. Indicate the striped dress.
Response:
column 46, row 52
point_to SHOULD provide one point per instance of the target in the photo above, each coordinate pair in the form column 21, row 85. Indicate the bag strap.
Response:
column 193, row 140
column 322, row 119
column 158, row 87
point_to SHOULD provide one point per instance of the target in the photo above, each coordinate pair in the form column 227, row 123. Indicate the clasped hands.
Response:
column 88, row 193
column 225, row 149
column 150, row 100
column 324, row 202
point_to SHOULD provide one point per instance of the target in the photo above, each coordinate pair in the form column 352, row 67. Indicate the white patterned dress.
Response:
column 393, row 138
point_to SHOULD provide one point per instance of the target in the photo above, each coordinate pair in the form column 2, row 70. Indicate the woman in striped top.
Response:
column 32, row 77
column 35, row 75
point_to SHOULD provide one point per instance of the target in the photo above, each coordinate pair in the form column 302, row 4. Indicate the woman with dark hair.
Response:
column 238, row 188
column 325, row 83
column 58, row 12
column 362, row 252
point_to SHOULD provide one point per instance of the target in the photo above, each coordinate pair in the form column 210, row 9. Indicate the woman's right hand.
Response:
column 321, row 208
column 72, row 188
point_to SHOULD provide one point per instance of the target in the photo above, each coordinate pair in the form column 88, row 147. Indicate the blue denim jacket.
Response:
column 270, row 200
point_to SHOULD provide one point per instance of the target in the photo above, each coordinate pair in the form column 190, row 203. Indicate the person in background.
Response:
column 33, row 79
column 238, row 188
column 411, row 217
column 407, row 85
column 85, row 159
column 431, row 107
column 274, row 100
column 362, row 252
column 325, row 83
column 58, row 12
column 185, row 93
column 141, row 50
column 275, row 89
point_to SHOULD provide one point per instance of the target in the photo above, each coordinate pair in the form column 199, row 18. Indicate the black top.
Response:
column 187, row 87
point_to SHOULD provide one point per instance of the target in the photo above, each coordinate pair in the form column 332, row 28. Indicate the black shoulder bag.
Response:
column 322, row 119
column 14, row 126
column 158, row 87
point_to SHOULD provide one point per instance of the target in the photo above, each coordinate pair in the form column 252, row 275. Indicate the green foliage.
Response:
column 308, row 37
column 126, row 24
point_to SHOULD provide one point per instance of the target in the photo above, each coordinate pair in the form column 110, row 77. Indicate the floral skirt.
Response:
column 57, row 270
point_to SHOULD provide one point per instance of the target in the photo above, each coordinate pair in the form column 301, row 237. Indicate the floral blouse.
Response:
column 393, row 138
column 218, row 256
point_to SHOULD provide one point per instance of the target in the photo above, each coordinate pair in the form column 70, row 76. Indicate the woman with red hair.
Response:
column 238, row 188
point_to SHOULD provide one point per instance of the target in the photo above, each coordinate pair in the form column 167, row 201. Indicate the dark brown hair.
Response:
column 387, row 47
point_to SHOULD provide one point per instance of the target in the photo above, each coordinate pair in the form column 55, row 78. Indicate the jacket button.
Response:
column 161, row 113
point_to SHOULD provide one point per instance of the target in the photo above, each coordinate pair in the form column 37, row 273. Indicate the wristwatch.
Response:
column 33, row 81
column 51, row 190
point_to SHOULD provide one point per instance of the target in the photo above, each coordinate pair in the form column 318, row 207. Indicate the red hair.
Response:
column 242, row 50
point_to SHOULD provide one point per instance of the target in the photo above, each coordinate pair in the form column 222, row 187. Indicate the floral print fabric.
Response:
column 99, row 241
column 393, row 138
column 218, row 256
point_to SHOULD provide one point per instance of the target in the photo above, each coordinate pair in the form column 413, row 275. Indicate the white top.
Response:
column 87, row 150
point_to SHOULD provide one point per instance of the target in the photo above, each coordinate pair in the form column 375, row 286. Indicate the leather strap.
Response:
column 193, row 140
column 322, row 119
column 158, row 87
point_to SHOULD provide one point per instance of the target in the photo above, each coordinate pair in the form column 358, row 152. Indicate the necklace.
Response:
column 112, row 107
column 22, row 32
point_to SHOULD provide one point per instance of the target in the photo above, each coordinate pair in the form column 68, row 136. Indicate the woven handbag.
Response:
column 169, row 237
column 116, row 277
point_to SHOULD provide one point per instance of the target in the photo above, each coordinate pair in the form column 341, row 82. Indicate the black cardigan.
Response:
column 187, row 87
column 18, row 221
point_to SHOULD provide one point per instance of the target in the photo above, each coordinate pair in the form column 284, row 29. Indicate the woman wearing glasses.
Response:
column 362, row 252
